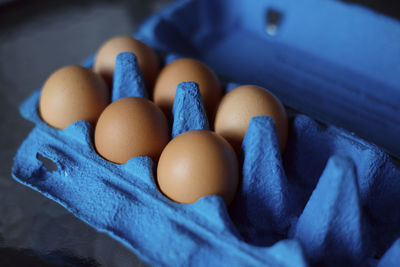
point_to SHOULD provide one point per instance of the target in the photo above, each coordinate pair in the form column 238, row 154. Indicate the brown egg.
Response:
column 241, row 104
column 131, row 127
column 183, row 70
column 71, row 94
column 106, row 55
column 197, row 164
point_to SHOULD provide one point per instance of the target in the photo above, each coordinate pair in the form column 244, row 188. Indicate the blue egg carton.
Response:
column 330, row 199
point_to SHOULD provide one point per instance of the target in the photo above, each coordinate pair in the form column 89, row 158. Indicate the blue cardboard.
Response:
column 188, row 109
column 262, row 208
column 128, row 78
column 336, row 62
column 331, row 198
column 392, row 256
column 331, row 226
column 124, row 201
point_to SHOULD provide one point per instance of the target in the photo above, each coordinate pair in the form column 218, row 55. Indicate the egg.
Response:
column 241, row 104
column 70, row 94
column 104, row 63
column 131, row 127
column 196, row 164
column 183, row 70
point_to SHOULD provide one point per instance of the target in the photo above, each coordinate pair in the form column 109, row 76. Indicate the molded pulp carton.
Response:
column 331, row 198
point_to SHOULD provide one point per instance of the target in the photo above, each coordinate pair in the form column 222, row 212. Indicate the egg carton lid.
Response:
column 337, row 62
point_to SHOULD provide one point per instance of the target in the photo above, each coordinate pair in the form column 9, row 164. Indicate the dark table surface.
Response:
column 37, row 37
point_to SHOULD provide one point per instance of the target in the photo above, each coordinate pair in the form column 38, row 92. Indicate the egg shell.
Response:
column 131, row 127
column 241, row 104
column 73, row 93
column 186, row 70
column 104, row 63
column 195, row 164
